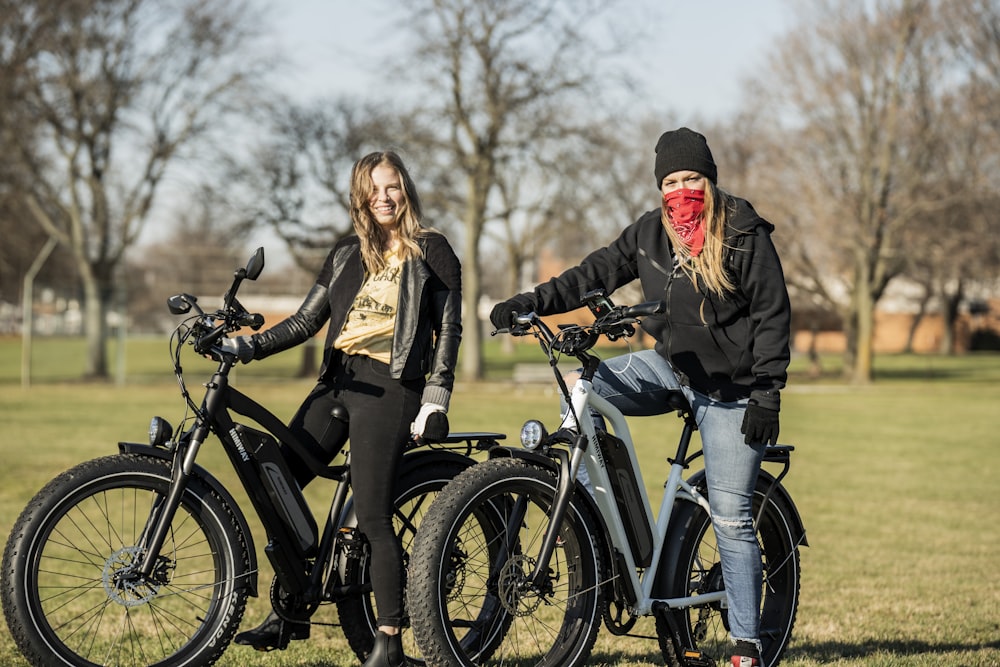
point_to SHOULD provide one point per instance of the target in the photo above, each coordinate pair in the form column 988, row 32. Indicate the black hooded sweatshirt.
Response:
column 730, row 347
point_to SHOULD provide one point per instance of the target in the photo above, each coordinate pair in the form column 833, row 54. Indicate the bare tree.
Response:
column 574, row 196
column 972, row 159
column 852, row 85
column 296, row 179
column 120, row 89
column 22, row 239
column 506, row 74
column 197, row 256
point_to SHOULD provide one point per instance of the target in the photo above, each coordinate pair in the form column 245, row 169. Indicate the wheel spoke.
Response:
column 81, row 596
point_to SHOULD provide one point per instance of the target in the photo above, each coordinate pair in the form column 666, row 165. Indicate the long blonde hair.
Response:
column 374, row 239
column 709, row 266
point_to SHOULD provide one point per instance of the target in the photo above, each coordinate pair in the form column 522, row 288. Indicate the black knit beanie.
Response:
column 683, row 149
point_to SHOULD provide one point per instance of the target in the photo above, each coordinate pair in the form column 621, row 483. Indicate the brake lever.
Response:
column 521, row 327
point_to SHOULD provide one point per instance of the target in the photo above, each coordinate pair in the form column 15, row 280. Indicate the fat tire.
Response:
column 357, row 614
column 463, row 614
column 62, row 595
column 691, row 537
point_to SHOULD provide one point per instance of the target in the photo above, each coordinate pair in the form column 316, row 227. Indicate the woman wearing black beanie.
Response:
column 723, row 340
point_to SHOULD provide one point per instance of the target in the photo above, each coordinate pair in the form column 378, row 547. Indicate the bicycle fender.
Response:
column 698, row 479
column 662, row 585
column 217, row 487
column 412, row 460
column 432, row 457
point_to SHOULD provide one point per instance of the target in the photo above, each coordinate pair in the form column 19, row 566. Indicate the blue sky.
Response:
column 332, row 43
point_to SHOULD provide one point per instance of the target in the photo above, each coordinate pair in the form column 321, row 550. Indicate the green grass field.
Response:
column 897, row 484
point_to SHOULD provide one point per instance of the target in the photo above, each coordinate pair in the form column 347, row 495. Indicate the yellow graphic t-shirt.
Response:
column 372, row 318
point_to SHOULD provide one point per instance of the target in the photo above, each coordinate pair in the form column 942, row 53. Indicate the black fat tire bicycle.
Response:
column 144, row 558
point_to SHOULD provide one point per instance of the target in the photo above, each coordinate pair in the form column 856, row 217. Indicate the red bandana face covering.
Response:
column 684, row 208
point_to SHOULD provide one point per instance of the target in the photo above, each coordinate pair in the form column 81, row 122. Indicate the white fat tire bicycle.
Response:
column 517, row 563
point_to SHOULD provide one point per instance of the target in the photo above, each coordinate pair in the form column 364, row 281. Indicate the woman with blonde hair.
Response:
column 723, row 340
column 391, row 297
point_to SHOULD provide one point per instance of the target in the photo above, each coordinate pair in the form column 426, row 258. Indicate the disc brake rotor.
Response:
column 124, row 584
column 517, row 596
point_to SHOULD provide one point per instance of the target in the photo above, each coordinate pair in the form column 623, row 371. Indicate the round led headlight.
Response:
column 533, row 434
column 160, row 431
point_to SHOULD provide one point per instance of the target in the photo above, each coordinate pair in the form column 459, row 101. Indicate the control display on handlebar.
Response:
column 599, row 303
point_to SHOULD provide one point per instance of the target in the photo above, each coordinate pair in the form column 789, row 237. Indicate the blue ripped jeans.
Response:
column 637, row 384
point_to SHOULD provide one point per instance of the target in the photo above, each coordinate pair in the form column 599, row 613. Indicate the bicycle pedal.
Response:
column 693, row 658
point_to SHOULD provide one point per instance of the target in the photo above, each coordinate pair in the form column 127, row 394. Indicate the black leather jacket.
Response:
column 428, row 316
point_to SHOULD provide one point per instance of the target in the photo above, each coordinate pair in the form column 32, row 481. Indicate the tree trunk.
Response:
column 96, row 307
column 917, row 319
column 472, row 334
column 864, row 357
column 864, row 324
column 513, row 287
column 309, row 366
column 949, row 315
column 850, row 319
column 472, row 339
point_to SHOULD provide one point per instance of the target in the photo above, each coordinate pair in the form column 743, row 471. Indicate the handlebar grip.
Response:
column 253, row 320
column 647, row 308
column 205, row 343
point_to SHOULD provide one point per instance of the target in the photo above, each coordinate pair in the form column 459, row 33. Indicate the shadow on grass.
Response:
column 969, row 375
column 815, row 652
column 819, row 652
column 607, row 658
column 823, row 652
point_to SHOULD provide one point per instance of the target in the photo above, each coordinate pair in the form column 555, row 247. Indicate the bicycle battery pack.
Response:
column 627, row 497
column 277, row 481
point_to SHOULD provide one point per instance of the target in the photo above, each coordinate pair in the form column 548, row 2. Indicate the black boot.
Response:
column 388, row 651
column 273, row 633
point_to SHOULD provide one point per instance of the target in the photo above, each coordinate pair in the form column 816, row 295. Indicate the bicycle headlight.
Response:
column 533, row 434
column 160, row 431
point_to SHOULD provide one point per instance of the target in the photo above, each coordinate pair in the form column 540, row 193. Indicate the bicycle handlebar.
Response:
column 576, row 339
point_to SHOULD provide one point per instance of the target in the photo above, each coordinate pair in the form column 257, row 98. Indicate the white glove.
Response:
column 420, row 423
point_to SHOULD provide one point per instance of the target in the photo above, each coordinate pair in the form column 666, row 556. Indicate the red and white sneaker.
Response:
column 745, row 654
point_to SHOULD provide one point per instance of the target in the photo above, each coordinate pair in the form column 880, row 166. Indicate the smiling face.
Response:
column 386, row 196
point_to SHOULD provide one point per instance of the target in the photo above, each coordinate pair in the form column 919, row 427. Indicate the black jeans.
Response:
column 381, row 410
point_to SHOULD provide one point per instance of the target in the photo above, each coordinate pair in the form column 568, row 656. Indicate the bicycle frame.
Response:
column 277, row 500
column 584, row 399
column 586, row 449
column 294, row 542
column 304, row 561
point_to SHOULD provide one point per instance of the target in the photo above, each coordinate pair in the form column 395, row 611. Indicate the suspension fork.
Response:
column 165, row 508
column 564, row 492
column 514, row 521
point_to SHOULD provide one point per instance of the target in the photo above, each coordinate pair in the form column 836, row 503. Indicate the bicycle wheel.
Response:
column 696, row 568
column 358, row 613
column 71, row 591
column 471, row 598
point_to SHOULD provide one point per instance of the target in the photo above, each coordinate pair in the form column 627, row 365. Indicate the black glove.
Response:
column 760, row 424
column 437, row 427
column 241, row 347
column 502, row 315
